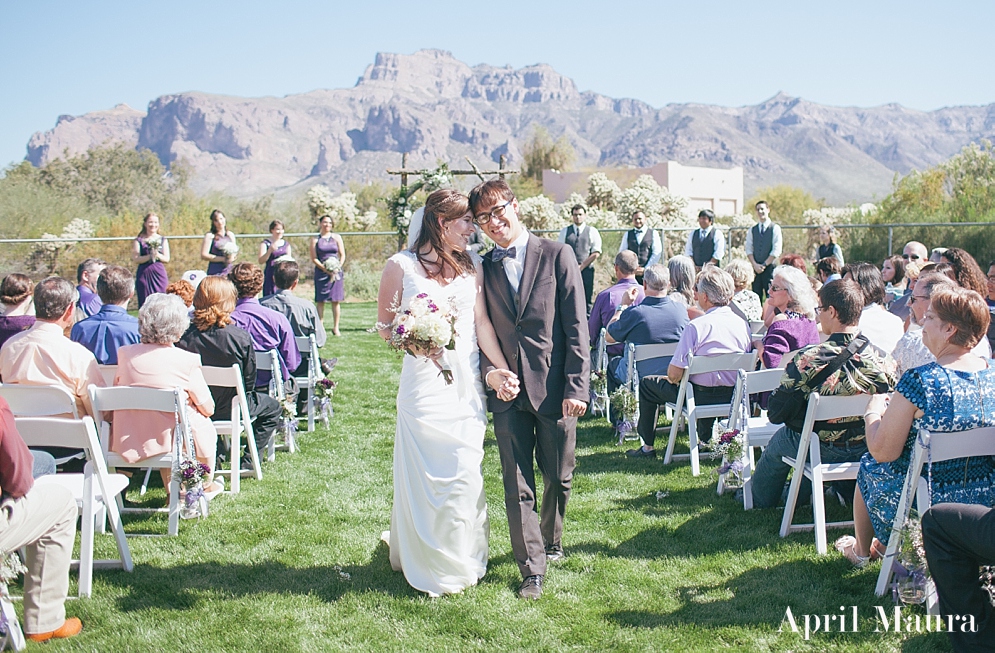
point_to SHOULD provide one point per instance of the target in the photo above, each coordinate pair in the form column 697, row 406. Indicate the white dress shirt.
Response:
column 776, row 244
column 513, row 267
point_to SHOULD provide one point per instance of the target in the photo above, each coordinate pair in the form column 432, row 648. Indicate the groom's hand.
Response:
column 574, row 408
column 504, row 383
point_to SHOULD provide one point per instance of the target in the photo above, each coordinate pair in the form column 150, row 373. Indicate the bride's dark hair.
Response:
column 442, row 206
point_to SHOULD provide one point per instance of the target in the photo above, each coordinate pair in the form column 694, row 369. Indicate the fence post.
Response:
column 891, row 234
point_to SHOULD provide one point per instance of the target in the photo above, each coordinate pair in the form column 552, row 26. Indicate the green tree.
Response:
column 787, row 203
column 541, row 153
column 970, row 183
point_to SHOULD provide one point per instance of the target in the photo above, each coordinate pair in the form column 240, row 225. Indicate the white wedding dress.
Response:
column 438, row 526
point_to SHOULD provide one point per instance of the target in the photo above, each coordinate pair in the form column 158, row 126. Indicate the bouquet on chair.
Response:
column 911, row 572
column 732, row 446
column 624, row 406
column 324, row 389
column 599, row 391
column 424, row 325
column 191, row 475
column 288, row 413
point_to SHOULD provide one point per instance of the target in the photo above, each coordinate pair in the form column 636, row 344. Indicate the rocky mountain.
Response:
column 435, row 107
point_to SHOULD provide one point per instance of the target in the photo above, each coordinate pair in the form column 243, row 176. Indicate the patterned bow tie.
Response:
column 500, row 253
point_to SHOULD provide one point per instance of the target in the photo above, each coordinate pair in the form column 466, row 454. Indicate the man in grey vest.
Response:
column 644, row 242
column 705, row 245
column 763, row 247
column 585, row 241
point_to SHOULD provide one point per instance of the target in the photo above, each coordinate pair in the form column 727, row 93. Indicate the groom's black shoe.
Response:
column 531, row 588
column 554, row 553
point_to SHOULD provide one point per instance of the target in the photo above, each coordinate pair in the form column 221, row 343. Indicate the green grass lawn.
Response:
column 295, row 561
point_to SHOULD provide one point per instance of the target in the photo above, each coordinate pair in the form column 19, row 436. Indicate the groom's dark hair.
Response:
column 489, row 193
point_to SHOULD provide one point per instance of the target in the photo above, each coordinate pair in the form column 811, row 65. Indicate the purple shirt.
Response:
column 604, row 308
column 269, row 330
column 89, row 302
column 719, row 331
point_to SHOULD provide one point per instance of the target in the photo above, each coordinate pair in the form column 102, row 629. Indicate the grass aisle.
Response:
column 294, row 563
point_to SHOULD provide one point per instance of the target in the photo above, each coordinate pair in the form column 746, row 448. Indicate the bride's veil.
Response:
column 414, row 228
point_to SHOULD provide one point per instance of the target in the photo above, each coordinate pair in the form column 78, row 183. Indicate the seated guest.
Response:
column 182, row 289
column 882, row 328
column 828, row 269
column 156, row 363
column 268, row 328
column 86, row 278
column 795, row 261
column 959, row 539
column 895, row 281
column 41, row 518
column 43, row 355
column 656, row 319
column 16, row 305
column 792, row 327
column 863, row 371
column 609, row 299
column 682, row 278
column 956, row 393
column 111, row 327
column 302, row 313
column 966, row 270
column 747, row 301
column 911, row 351
column 718, row 331
column 221, row 343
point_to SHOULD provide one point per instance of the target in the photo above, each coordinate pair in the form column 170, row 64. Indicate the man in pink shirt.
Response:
column 718, row 331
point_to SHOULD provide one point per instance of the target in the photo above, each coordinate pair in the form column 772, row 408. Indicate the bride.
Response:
column 438, row 526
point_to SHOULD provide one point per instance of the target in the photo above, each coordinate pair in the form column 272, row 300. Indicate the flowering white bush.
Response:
column 662, row 208
column 829, row 216
column 540, row 212
column 602, row 192
column 72, row 233
column 321, row 201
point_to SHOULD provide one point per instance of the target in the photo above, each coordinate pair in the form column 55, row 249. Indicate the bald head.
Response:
column 915, row 251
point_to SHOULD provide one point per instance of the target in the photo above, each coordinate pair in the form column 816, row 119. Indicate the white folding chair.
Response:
column 757, row 431
column 309, row 352
column 240, row 422
column 639, row 354
column 808, row 463
column 107, row 400
column 14, row 637
column 787, row 358
column 270, row 360
column 757, row 327
column 936, row 447
column 41, row 401
column 108, row 372
column 92, row 501
column 685, row 409
column 600, row 364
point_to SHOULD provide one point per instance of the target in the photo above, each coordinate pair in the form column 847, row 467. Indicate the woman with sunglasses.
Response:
column 792, row 326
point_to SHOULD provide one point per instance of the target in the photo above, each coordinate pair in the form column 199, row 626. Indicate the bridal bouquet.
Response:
column 424, row 325
column 333, row 266
column 154, row 242
column 229, row 249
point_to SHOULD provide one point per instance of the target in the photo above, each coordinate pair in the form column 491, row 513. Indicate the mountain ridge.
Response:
column 434, row 107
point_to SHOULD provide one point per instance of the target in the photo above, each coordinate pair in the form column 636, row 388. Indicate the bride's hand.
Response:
column 504, row 383
column 431, row 354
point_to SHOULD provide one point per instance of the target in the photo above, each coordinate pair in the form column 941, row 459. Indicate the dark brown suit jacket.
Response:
column 545, row 339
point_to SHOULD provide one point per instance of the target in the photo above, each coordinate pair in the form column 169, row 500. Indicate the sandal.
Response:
column 847, row 545
column 877, row 549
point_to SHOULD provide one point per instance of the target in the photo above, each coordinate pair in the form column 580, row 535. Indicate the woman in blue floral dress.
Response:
column 955, row 393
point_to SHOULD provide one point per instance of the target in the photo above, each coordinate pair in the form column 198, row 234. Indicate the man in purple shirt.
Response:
column 718, row 331
column 111, row 327
column 268, row 328
column 610, row 299
column 86, row 278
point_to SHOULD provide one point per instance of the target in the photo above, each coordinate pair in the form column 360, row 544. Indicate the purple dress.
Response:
column 13, row 325
column 219, row 268
column 269, row 286
column 325, row 289
column 150, row 277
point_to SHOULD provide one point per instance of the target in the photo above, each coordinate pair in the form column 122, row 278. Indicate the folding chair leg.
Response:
column 271, row 448
column 145, row 483
column 235, row 462
column 310, row 409
column 672, row 439
column 100, row 519
column 124, row 552
column 86, row 539
column 257, row 469
column 789, row 506
column 693, row 443
column 748, row 481
column 819, row 510
column 174, row 507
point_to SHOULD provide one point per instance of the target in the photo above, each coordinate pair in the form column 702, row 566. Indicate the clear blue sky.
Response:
column 74, row 57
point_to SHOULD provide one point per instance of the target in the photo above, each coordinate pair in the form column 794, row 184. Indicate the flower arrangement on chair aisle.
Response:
column 624, row 405
column 324, row 390
column 732, row 446
column 423, row 325
column 191, row 475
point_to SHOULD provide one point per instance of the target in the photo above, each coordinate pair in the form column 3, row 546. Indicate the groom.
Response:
column 535, row 298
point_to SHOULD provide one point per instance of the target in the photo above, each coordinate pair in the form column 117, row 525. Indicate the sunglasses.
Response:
column 914, row 257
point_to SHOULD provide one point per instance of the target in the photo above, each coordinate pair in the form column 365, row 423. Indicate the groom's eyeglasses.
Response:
column 496, row 212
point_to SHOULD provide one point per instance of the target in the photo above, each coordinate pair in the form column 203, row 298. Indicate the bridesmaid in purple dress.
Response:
column 212, row 249
column 150, row 250
column 269, row 251
column 16, row 305
column 326, row 288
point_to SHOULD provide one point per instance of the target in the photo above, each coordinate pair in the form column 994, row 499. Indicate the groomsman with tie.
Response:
column 585, row 241
column 763, row 247
column 644, row 242
column 705, row 245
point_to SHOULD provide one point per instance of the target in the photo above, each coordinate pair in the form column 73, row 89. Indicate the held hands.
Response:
column 504, row 383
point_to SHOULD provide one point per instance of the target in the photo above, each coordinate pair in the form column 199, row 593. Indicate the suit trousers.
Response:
column 959, row 538
column 44, row 521
column 654, row 391
column 762, row 281
column 527, row 439
column 587, row 276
